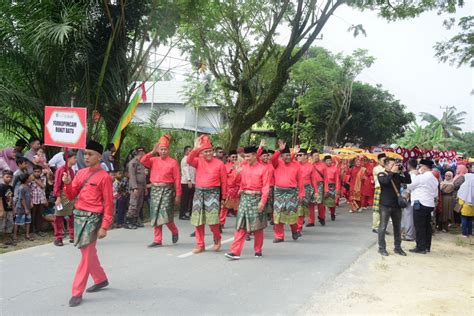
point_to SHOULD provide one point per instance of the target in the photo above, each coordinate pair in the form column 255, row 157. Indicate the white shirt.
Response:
column 378, row 169
column 57, row 160
column 187, row 172
column 424, row 188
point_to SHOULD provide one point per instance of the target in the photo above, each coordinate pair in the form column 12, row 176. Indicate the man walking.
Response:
column 188, row 179
column 310, row 187
column 93, row 215
column 390, row 182
column 332, row 186
column 424, row 190
column 319, row 168
column 376, row 207
column 137, row 185
column 254, row 188
column 165, row 190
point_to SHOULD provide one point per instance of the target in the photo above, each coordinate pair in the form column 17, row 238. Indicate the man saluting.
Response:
column 93, row 214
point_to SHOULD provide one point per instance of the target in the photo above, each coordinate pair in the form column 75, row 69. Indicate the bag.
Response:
column 402, row 202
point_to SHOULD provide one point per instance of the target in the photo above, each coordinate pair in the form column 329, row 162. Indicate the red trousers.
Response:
column 58, row 227
column 299, row 223
column 158, row 231
column 223, row 215
column 239, row 241
column 365, row 201
column 322, row 211
column 200, row 234
column 279, row 230
column 311, row 213
column 89, row 264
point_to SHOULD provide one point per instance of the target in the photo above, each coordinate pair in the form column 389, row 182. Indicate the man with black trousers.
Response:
column 390, row 180
column 424, row 190
column 188, row 180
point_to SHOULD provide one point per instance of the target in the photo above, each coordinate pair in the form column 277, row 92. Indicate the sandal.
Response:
column 29, row 238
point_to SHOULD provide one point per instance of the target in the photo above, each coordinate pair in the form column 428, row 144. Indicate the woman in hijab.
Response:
column 466, row 201
column 448, row 200
column 356, row 177
column 8, row 159
column 461, row 171
column 107, row 162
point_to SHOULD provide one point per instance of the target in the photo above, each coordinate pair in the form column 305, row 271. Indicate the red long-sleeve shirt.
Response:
column 287, row 175
column 210, row 173
column 163, row 170
column 332, row 175
column 58, row 180
column 255, row 178
column 269, row 166
column 233, row 179
column 96, row 196
column 308, row 175
column 319, row 168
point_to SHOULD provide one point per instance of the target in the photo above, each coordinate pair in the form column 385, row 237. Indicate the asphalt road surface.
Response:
column 172, row 281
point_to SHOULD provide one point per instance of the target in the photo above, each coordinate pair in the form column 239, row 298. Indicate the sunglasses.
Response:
column 299, row 155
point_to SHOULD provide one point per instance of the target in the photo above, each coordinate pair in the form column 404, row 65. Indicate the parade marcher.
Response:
column 424, row 190
column 368, row 187
column 376, row 207
column 306, row 208
column 211, row 187
column 390, row 181
column 408, row 225
column 357, row 175
column 289, row 192
column 188, row 180
column 264, row 157
column 165, row 191
column 93, row 214
column 319, row 168
column 63, row 206
column 233, row 182
column 137, row 187
column 251, row 218
column 332, row 186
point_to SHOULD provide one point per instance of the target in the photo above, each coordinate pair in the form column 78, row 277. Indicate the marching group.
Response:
column 86, row 192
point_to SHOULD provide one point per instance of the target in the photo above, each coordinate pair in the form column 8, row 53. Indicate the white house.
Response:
column 168, row 97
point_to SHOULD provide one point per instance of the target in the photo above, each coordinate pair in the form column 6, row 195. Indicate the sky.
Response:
column 405, row 64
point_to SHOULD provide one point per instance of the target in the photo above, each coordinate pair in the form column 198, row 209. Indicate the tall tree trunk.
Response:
column 236, row 129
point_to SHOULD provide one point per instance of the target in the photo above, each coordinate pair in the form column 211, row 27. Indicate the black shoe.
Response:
column 405, row 239
column 193, row 234
column 295, row 235
column 416, row 250
column 58, row 243
column 400, row 252
column 139, row 225
column 383, row 252
column 231, row 256
column 128, row 226
column 322, row 222
column 184, row 218
column 248, row 238
column 71, row 241
column 75, row 301
column 375, row 231
column 428, row 250
column 276, row 241
column 309, row 225
column 299, row 234
column 333, row 217
column 154, row 245
column 258, row 255
column 272, row 223
column 97, row 287
column 387, row 233
column 175, row 238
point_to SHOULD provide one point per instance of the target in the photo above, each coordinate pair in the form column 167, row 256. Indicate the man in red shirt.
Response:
column 93, row 214
column 288, row 193
column 165, row 190
column 211, row 186
column 63, row 207
column 310, row 187
column 264, row 156
column 332, row 186
column 254, row 188
column 319, row 168
column 233, row 182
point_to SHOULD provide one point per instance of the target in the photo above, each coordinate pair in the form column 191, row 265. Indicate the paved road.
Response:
column 170, row 281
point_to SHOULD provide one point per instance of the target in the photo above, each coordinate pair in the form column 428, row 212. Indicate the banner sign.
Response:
column 65, row 127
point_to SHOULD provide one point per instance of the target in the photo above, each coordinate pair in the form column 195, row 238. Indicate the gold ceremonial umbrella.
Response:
column 393, row 155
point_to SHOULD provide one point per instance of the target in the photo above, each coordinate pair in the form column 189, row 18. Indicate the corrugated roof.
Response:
column 165, row 91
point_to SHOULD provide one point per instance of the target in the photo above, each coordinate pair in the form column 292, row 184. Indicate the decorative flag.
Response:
column 128, row 114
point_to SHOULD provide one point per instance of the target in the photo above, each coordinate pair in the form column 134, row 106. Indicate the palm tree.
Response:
column 450, row 122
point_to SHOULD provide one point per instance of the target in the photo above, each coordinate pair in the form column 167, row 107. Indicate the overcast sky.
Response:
column 405, row 63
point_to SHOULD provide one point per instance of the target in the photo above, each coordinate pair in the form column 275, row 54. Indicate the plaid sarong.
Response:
column 330, row 196
column 206, row 206
column 303, row 209
column 285, row 206
column 162, row 205
column 86, row 226
column 270, row 201
column 248, row 216
column 318, row 197
column 376, row 207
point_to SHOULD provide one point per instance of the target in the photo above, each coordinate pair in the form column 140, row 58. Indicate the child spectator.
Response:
column 38, row 198
column 23, row 207
column 6, row 206
column 22, row 164
column 121, row 196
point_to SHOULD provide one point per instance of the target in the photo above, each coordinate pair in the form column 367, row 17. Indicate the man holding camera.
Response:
column 390, row 181
column 424, row 190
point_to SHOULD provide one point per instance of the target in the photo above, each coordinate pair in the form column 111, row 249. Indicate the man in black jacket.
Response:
column 389, row 208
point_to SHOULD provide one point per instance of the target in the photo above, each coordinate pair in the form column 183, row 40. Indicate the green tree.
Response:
column 450, row 122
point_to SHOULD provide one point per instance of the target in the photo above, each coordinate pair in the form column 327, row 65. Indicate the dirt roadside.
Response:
column 438, row 283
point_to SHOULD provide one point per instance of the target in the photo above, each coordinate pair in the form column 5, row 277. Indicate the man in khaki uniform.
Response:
column 137, row 184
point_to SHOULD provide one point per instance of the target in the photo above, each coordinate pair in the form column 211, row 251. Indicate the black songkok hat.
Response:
column 264, row 152
column 232, row 152
column 286, row 150
column 270, row 151
column 250, row 149
column 303, row 151
column 95, row 146
column 426, row 162
column 314, row 151
column 327, row 157
column 380, row 156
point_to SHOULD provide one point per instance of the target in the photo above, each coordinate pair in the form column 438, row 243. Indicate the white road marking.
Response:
column 188, row 254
